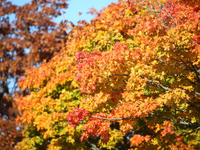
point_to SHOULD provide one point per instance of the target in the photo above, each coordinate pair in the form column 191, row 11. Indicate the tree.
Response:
column 129, row 79
column 32, row 29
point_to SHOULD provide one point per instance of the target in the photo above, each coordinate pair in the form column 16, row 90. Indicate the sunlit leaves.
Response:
column 138, row 139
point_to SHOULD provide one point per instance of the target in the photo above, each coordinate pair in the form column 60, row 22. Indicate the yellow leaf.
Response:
column 193, row 120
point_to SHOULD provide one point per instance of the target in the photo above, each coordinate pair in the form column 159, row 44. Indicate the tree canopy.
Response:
column 129, row 79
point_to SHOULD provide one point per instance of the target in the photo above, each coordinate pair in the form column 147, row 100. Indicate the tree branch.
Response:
column 182, row 122
column 112, row 119
column 184, row 134
column 159, row 85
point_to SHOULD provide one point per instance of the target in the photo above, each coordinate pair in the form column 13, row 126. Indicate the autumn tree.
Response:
column 22, row 29
column 129, row 79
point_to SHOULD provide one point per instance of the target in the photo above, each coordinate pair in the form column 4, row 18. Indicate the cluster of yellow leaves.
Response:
column 45, row 109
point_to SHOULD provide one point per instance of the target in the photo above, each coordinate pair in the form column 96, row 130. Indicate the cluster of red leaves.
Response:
column 83, row 57
column 131, row 4
column 91, row 65
column 137, row 139
column 86, row 61
column 168, row 128
column 197, row 39
column 169, row 9
column 173, row 14
column 77, row 115
column 97, row 127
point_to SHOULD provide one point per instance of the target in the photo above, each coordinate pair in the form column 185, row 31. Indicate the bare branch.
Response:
column 159, row 85
column 182, row 122
column 112, row 119
column 156, row 84
column 184, row 134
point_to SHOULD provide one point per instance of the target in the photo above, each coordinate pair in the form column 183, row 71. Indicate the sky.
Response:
column 74, row 7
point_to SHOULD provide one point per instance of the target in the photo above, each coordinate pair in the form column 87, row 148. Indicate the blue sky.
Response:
column 76, row 6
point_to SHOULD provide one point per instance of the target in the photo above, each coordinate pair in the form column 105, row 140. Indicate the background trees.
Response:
column 128, row 79
column 26, row 40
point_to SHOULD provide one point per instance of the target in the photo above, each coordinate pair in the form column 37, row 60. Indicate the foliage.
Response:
column 129, row 79
column 24, row 28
